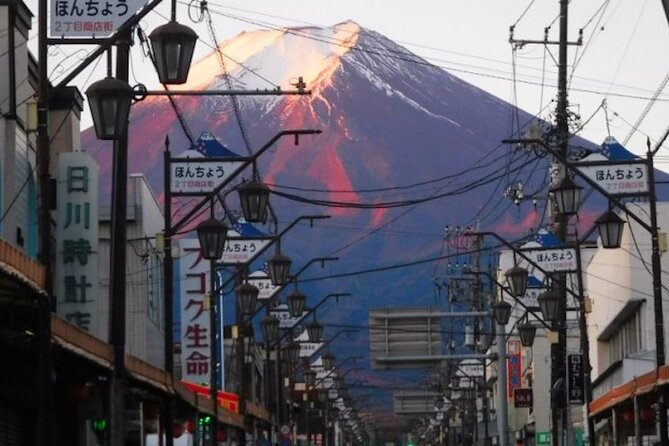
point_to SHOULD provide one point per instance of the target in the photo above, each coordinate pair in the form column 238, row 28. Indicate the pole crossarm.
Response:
column 573, row 167
column 246, row 162
column 293, row 278
column 507, row 291
column 141, row 94
column 433, row 358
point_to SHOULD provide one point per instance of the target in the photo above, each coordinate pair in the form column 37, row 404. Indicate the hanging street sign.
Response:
column 79, row 18
column 522, row 397
column 307, row 349
column 243, row 243
column 553, row 259
column 575, row 375
column 282, row 313
column 618, row 179
column 262, row 281
column 472, row 368
column 201, row 169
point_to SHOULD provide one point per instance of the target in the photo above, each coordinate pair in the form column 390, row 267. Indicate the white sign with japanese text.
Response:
column 283, row 314
column 199, row 175
column 262, row 281
column 471, row 368
column 618, row 178
column 241, row 250
column 90, row 18
column 553, row 259
column 77, row 243
column 307, row 349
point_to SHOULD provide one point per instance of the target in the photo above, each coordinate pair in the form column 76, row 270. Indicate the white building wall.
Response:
column 614, row 277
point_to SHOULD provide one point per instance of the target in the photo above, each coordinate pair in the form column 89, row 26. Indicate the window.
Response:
column 627, row 340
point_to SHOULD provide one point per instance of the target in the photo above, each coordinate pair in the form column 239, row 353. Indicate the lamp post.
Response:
column 212, row 234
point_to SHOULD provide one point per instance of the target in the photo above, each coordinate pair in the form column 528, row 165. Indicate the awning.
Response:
column 640, row 385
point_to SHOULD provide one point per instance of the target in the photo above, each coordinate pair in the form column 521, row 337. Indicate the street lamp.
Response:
column 247, row 296
column 549, row 303
column 293, row 350
column 567, row 195
column 270, row 329
column 516, row 278
column 296, row 301
column 211, row 233
column 310, row 378
column 610, row 227
column 173, row 45
column 110, row 101
column 527, row 333
column 253, row 199
column 315, row 331
column 279, row 269
column 328, row 361
column 502, row 311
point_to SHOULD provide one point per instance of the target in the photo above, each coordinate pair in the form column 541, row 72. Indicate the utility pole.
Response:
column 558, row 392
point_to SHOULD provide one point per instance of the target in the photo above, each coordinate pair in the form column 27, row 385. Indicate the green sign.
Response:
column 543, row 437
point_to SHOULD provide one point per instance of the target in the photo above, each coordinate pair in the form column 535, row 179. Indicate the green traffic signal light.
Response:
column 205, row 420
column 99, row 425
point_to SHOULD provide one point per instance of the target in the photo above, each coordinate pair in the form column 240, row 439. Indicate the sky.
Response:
column 613, row 75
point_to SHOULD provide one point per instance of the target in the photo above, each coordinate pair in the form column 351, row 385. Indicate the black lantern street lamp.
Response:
column 279, row 269
column 212, row 233
column 328, row 361
column 296, row 301
column 549, row 303
column 516, row 278
column 253, row 199
column 315, row 331
column 110, row 100
column 310, row 378
column 293, row 351
column 526, row 332
column 173, row 45
column 270, row 329
column 610, row 227
column 502, row 310
column 567, row 195
column 247, row 296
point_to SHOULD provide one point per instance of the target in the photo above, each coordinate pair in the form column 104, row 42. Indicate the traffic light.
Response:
column 99, row 427
column 204, row 421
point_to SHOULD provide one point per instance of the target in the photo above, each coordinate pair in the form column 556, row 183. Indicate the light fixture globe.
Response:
column 502, row 311
column 610, row 227
column 315, row 331
column 296, row 301
column 279, row 269
column 173, row 45
column 526, row 332
column 567, row 196
column 516, row 278
column 549, row 303
column 270, row 329
column 110, row 100
column 212, row 234
column 253, row 199
column 328, row 361
column 247, row 296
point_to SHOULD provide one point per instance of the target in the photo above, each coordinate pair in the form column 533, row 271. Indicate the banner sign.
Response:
column 77, row 239
column 513, row 366
column 522, row 397
column 285, row 319
column 618, row 179
column 471, row 368
column 307, row 349
column 80, row 18
column 575, row 376
column 553, row 259
column 194, row 291
column 200, row 176
column 242, row 250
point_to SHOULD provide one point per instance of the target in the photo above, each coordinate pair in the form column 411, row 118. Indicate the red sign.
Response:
column 227, row 400
column 513, row 366
column 522, row 397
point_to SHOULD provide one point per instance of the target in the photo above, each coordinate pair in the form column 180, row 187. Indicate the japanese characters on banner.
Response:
column 77, row 242
column 90, row 18
column 241, row 250
column 513, row 363
column 263, row 282
column 618, row 178
column 193, row 288
column 575, row 375
column 282, row 313
column 553, row 259
column 200, row 175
